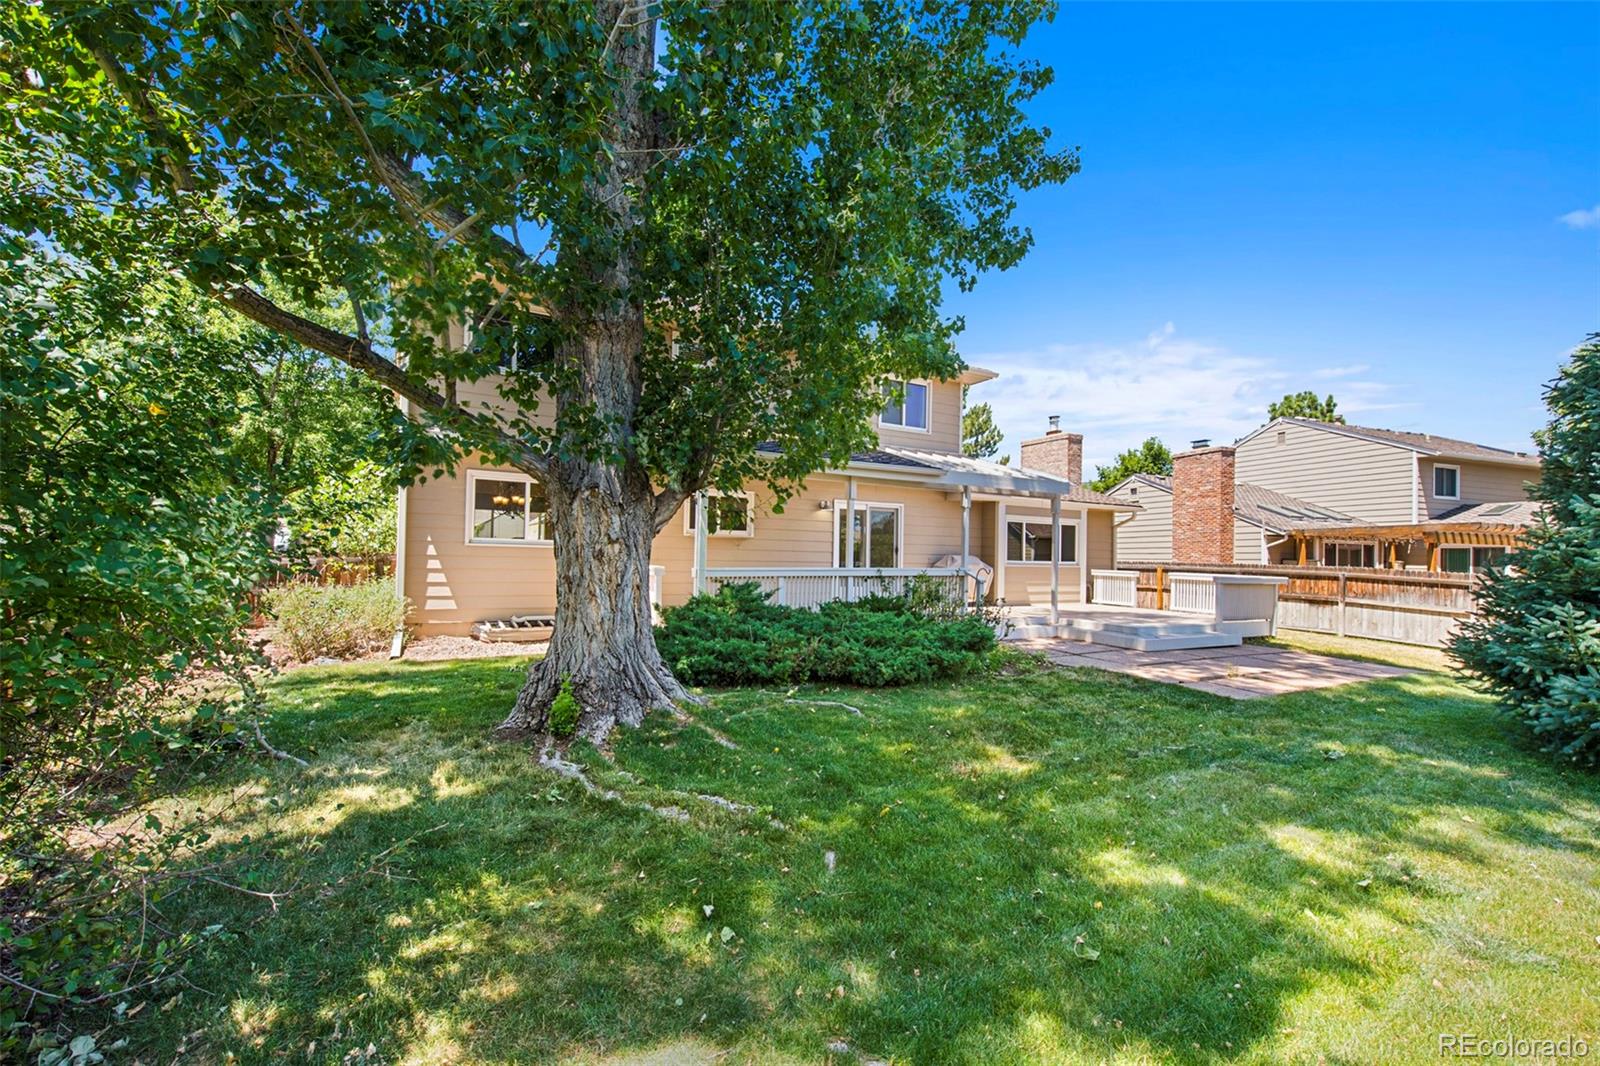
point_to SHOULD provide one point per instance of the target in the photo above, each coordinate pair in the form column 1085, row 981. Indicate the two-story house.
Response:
column 475, row 547
column 1298, row 491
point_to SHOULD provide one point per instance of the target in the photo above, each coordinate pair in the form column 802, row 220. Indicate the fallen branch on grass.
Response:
column 274, row 752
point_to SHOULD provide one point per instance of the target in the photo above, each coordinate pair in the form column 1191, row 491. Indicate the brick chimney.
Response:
column 1202, row 505
column 1056, row 453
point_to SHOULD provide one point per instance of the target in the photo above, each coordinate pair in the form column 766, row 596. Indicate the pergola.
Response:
column 1434, row 535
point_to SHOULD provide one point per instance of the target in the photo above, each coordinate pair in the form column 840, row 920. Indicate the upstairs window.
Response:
column 905, row 405
column 519, row 345
column 1447, row 482
column 727, row 515
column 506, row 509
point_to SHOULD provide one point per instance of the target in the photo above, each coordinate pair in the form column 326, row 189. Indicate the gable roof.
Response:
column 1273, row 511
column 1421, row 443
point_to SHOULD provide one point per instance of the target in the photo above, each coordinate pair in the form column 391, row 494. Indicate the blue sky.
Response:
column 1399, row 204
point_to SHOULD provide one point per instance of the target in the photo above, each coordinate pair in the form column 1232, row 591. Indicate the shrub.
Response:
column 564, row 712
column 1536, row 640
column 736, row 637
column 336, row 621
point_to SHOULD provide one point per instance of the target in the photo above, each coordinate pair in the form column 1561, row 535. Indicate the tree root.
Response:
column 551, row 760
column 726, row 741
column 857, row 711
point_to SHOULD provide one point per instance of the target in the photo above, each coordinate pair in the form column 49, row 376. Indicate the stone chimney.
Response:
column 1056, row 453
column 1202, row 505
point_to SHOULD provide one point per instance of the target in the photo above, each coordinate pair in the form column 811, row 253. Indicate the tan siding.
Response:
column 1479, row 483
column 452, row 584
column 944, row 423
column 1147, row 537
column 1362, row 478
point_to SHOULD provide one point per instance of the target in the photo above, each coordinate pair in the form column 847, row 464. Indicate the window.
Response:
column 1463, row 560
column 1028, row 541
column 518, row 346
column 875, row 529
column 1447, row 482
column 905, row 405
column 506, row 509
column 727, row 515
column 1344, row 553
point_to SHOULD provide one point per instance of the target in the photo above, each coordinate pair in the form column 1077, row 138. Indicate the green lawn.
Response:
column 1048, row 866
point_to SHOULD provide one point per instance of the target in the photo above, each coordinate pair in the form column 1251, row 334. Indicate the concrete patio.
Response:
column 1244, row 672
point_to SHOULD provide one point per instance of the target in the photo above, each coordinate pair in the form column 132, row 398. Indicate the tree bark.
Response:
column 604, row 508
column 603, row 644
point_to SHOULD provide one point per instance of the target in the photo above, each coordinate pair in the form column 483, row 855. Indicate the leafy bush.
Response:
column 736, row 637
column 564, row 712
column 1536, row 640
column 336, row 621
column 129, row 542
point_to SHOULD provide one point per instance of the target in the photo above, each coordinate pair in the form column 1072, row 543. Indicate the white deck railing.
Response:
column 800, row 587
column 1118, row 588
column 1194, row 594
column 1246, row 604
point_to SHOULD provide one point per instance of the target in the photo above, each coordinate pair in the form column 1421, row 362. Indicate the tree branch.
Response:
column 361, row 356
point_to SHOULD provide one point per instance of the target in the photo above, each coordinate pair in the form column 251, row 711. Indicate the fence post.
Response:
column 1340, row 625
column 783, row 599
column 1160, row 589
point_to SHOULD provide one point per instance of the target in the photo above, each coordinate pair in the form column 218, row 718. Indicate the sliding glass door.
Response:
column 875, row 530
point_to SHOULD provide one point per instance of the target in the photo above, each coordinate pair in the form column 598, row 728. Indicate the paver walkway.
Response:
column 1243, row 673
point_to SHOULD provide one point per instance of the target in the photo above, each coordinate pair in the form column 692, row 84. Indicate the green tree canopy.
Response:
column 691, row 229
column 1151, row 457
column 1536, row 639
column 1306, row 404
column 980, row 437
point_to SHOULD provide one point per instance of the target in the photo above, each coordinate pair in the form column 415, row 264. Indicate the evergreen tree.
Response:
column 980, row 437
column 1536, row 640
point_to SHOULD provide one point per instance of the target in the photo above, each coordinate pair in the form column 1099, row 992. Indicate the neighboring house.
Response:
column 1322, row 493
column 1262, row 521
column 475, row 546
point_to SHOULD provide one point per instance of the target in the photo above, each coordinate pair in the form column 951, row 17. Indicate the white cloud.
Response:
column 1170, row 386
column 1351, row 371
column 1581, row 219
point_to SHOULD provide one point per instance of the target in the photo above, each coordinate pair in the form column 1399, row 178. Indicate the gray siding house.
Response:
column 1324, row 493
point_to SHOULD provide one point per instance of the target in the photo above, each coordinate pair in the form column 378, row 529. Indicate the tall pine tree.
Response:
column 1536, row 640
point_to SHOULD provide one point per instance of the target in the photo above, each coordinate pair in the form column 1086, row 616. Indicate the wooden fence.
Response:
column 1402, row 606
column 325, row 570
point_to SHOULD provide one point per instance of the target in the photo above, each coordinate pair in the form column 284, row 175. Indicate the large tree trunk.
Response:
column 602, row 645
column 604, row 508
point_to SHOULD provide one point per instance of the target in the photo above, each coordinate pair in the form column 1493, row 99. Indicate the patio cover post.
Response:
column 699, row 543
column 1055, row 560
column 966, row 539
column 850, row 537
column 1081, row 555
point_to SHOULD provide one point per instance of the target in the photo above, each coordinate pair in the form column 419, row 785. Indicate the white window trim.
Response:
column 899, row 531
column 473, row 477
column 927, row 407
column 1446, row 466
column 1077, row 539
column 749, row 515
